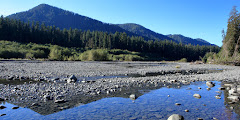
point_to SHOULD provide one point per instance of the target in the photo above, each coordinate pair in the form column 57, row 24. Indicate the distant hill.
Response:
column 50, row 15
column 188, row 40
column 58, row 17
column 142, row 31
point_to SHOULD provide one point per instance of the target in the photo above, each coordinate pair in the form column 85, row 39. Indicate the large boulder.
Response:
column 175, row 117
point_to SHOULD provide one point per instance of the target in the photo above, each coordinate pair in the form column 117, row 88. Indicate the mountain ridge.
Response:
column 143, row 31
column 54, row 16
column 187, row 40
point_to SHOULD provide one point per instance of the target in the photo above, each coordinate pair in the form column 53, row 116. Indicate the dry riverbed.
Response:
column 51, row 86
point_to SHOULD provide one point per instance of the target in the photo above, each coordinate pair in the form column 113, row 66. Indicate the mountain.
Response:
column 142, row 31
column 188, row 40
column 58, row 17
column 50, row 15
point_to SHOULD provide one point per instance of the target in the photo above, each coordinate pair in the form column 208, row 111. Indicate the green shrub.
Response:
column 55, row 53
column 183, row 60
column 95, row 55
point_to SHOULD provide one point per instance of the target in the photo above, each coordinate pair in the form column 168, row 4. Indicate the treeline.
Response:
column 15, row 30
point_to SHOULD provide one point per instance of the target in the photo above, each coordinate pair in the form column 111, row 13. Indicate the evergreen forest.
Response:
column 78, row 42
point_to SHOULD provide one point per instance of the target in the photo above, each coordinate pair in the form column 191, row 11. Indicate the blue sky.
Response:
column 192, row 18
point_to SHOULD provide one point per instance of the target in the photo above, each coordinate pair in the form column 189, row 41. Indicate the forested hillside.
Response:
column 15, row 30
column 142, row 31
column 187, row 40
column 53, row 16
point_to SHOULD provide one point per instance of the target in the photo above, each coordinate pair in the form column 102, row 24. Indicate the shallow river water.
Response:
column 152, row 104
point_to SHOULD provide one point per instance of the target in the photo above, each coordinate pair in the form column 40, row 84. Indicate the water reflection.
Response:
column 50, row 107
column 151, row 102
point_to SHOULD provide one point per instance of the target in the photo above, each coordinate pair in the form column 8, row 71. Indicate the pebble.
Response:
column 186, row 110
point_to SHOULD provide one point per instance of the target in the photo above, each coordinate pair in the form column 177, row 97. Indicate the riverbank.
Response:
column 49, row 90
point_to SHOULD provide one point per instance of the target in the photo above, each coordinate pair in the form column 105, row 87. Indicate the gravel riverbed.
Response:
column 59, row 85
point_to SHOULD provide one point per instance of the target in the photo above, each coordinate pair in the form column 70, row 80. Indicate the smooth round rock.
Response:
column 198, row 96
column 176, row 117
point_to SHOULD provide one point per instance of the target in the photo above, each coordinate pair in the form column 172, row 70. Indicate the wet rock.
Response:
column 2, row 107
column 132, row 97
column 208, row 89
column 217, row 97
column 15, row 107
column 2, row 114
column 199, row 88
column 186, row 110
column 177, row 104
column 175, row 117
column 210, row 84
column 200, row 119
column 72, row 79
column 198, row 96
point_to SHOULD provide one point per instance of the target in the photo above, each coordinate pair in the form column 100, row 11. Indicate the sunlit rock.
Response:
column 132, row 97
column 233, row 98
column 210, row 84
column 198, row 96
column 176, row 117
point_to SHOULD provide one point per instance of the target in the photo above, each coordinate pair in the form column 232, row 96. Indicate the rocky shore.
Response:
column 50, row 86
